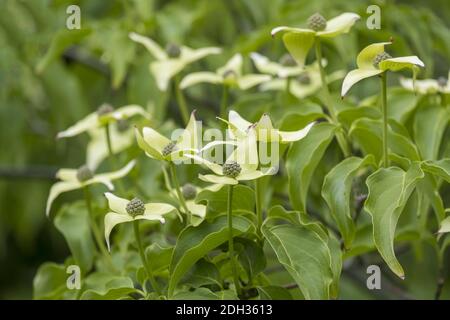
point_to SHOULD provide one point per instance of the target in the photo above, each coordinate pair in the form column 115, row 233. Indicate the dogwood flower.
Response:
column 303, row 81
column 373, row 60
column 171, row 61
column 159, row 147
column 230, row 75
column 426, row 86
column 123, row 210
column 287, row 67
column 241, row 165
column 104, row 115
column 298, row 41
column 72, row 179
column 264, row 130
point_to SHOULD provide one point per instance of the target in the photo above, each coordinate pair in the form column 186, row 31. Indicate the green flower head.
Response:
column 159, row 147
column 72, row 179
column 123, row 210
column 104, row 115
column 373, row 60
column 230, row 74
column 298, row 41
column 171, row 61
column 264, row 130
column 304, row 81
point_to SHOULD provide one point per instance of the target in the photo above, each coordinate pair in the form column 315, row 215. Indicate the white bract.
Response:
column 241, row 165
column 159, row 147
column 166, row 67
column 367, row 66
column 119, row 214
column 304, row 81
column 239, row 128
column 97, row 119
column 230, row 74
column 298, row 41
column 427, row 86
column 72, row 179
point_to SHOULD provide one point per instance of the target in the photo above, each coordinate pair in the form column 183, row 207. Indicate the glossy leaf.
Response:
column 303, row 158
column 389, row 190
column 195, row 242
column 336, row 191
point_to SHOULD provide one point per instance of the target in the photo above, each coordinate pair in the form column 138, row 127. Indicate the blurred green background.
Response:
column 100, row 64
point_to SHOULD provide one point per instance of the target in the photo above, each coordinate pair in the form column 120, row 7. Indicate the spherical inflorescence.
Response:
column 287, row 61
column 317, row 22
column 135, row 207
column 123, row 125
column 304, row 78
column 189, row 191
column 169, row 148
column 380, row 57
column 442, row 81
column 104, row 109
column 231, row 169
column 173, row 50
column 84, row 173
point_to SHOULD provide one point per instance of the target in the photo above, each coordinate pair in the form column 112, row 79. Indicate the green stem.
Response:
column 146, row 264
column 339, row 134
column 288, row 85
column 179, row 193
column 230, row 240
column 93, row 224
column 224, row 102
column 259, row 214
column 181, row 101
column 385, row 120
column 110, row 150
column 112, row 157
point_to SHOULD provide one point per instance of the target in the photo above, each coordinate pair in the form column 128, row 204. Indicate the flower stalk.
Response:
column 230, row 240
column 224, row 102
column 146, row 264
column 259, row 213
column 181, row 101
column 339, row 135
column 180, row 196
column 95, row 229
column 385, row 119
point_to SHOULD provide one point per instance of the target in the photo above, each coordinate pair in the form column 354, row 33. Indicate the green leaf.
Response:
column 348, row 116
column 401, row 103
column 243, row 200
column 203, row 273
column 440, row 168
column 73, row 222
column 61, row 41
column 195, row 242
column 367, row 134
column 302, row 160
column 430, row 123
column 389, row 190
column 50, row 281
column 336, row 191
column 306, row 257
column 273, row 293
column 251, row 256
column 197, row 294
column 108, row 287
